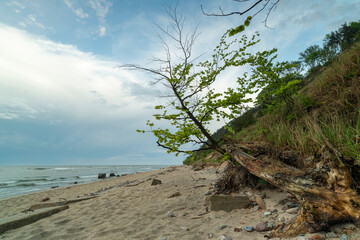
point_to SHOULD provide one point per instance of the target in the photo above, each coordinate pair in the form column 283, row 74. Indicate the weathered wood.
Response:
column 24, row 219
column 56, row 204
column 324, row 192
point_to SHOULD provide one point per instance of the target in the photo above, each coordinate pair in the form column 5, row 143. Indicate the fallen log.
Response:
column 23, row 219
column 324, row 192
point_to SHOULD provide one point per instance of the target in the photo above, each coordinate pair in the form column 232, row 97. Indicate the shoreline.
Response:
column 130, row 207
column 20, row 180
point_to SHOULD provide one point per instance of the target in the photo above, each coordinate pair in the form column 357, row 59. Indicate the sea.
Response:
column 17, row 180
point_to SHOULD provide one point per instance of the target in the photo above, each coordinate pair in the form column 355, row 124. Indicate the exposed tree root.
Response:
column 324, row 192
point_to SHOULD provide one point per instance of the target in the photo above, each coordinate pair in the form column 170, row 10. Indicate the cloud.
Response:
column 79, row 12
column 101, row 8
column 41, row 78
column 63, row 102
column 18, row 6
column 31, row 20
column 102, row 31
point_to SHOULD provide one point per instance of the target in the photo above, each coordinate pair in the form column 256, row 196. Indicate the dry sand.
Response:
column 128, row 207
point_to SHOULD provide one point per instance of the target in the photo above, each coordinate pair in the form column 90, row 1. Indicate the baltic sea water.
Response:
column 17, row 180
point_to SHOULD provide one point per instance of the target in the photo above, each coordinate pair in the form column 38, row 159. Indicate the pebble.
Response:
column 292, row 210
column 224, row 237
column 237, row 229
column 316, row 237
column 249, row 228
column 261, row 227
column 344, row 237
column 155, row 182
column 267, row 214
column 223, row 227
column 271, row 225
column 256, row 207
column 171, row 214
column 208, row 193
column 176, row 194
column 210, row 235
column 282, row 219
column 185, row 228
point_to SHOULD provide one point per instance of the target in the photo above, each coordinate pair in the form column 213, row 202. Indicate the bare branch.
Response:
column 222, row 14
column 267, row 3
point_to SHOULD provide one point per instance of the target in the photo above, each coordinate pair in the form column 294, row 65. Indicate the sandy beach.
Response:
column 129, row 207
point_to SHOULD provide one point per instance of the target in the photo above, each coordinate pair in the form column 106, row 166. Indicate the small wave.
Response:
column 38, row 168
column 25, row 185
column 32, row 180
column 61, row 169
column 90, row 176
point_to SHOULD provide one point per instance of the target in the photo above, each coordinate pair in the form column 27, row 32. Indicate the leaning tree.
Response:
column 324, row 191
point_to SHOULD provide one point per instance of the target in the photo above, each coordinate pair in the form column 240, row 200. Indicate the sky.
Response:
column 64, row 101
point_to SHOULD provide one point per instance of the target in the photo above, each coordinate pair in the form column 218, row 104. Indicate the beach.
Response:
column 130, row 207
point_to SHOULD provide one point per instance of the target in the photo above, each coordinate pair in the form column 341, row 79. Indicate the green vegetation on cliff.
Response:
column 301, row 113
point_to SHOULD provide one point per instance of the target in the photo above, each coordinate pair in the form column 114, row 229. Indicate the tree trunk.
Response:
column 324, row 192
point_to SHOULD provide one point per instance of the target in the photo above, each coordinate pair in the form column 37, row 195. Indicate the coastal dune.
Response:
column 130, row 207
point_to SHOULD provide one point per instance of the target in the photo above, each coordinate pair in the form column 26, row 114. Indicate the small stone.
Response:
column 208, row 193
column 210, row 235
column 331, row 235
column 301, row 238
column 256, row 207
column 249, row 194
column 223, row 227
column 224, row 237
column 177, row 194
column 316, row 237
column 274, row 210
column 237, row 229
column 267, row 214
column 344, row 237
column 155, row 182
column 45, row 199
column 292, row 210
column 185, row 228
column 112, row 175
column 282, row 219
column 271, row 225
column 171, row 214
column 261, row 227
column 249, row 228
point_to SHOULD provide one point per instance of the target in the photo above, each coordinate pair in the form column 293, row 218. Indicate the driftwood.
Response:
column 324, row 192
column 55, row 204
column 24, row 219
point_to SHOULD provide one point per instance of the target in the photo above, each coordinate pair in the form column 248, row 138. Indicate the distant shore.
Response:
column 130, row 207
